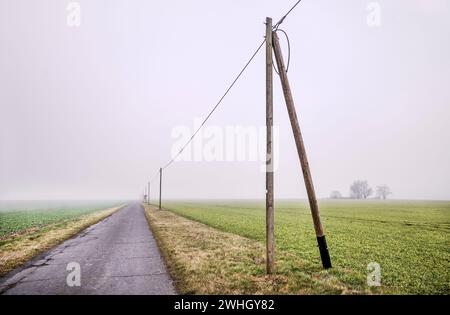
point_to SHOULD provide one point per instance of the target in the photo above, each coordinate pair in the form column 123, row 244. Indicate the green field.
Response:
column 16, row 217
column 409, row 239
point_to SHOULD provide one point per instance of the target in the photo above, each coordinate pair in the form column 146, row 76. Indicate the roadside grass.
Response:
column 20, row 217
column 409, row 239
column 16, row 248
column 205, row 260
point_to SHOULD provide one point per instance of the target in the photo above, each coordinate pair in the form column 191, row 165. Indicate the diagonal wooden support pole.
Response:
column 325, row 256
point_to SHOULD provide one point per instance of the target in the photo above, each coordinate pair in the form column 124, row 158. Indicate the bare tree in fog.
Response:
column 335, row 194
column 383, row 191
column 360, row 189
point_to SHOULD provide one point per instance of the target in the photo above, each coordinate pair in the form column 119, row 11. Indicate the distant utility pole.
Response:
column 148, row 194
column 325, row 256
column 160, row 187
column 270, row 239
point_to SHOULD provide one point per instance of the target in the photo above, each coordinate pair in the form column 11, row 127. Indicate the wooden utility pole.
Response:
column 323, row 249
column 148, row 194
column 160, row 187
column 270, row 239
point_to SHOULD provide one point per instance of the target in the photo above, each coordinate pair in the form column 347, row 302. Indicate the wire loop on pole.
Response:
column 289, row 51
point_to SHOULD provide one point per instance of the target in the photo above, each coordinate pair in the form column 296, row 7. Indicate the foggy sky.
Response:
column 87, row 112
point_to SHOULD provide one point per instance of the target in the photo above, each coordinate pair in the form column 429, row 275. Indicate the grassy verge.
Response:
column 204, row 260
column 18, row 248
column 408, row 239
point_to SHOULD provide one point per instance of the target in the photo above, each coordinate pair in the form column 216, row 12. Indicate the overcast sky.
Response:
column 87, row 112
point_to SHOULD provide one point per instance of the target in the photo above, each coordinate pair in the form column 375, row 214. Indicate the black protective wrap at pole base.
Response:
column 324, row 254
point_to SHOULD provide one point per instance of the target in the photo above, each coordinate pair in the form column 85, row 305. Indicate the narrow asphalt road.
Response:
column 118, row 255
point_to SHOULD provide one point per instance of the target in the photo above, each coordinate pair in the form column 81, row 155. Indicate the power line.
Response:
column 217, row 105
column 284, row 16
column 275, row 27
